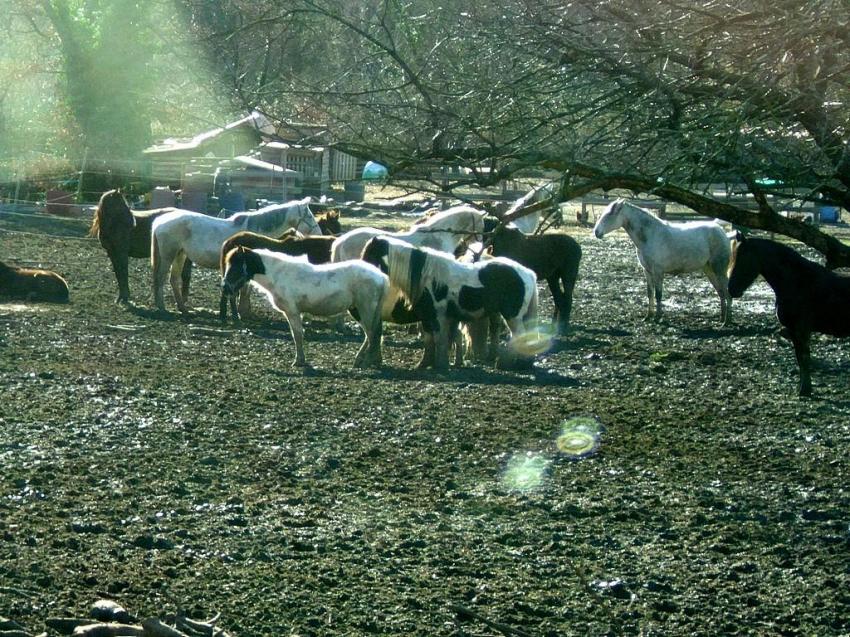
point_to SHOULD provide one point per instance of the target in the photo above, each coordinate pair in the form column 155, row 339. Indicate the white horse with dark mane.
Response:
column 182, row 234
column 443, row 292
column 295, row 286
column 445, row 231
column 671, row 248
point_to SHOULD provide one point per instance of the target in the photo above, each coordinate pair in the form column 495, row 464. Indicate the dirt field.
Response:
column 184, row 464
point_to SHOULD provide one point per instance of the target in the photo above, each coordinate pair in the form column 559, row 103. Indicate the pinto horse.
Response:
column 125, row 233
column 553, row 257
column 674, row 248
column 809, row 297
column 294, row 287
column 31, row 284
column 317, row 249
column 181, row 234
column 446, row 231
column 442, row 292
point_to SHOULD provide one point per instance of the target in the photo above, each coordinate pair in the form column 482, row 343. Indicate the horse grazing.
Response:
column 31, row 284
column 181, row 234
column 317, row 249
column 294, row 286
column 125, row 233
column 554, row 259
column 446, row 231
column 671, row 248
column 442, row 291
column 809, row 297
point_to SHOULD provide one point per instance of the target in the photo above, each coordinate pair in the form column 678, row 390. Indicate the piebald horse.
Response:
column 671, row 248
column 443, row 292
column 295, row 287
column 180, row 235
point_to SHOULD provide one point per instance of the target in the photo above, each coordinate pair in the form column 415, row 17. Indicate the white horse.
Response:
column 295, row 286
column 671, row 248
column 446, row 231
column 442, row 291
column 182, row 234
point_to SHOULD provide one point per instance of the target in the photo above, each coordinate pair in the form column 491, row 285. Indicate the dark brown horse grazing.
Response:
column 809, row 298
column 30, row 284
column 125, row 233
column 316, row 248
column 554, row 259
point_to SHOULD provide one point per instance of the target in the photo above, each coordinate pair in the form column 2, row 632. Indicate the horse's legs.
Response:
column 650, row 293
column 557, row 299
column 121, row 266
column 428, row 354
column 161, row 265
column 245, row 310
column 720, row 282
column 297, row 330
column 185, row 277
column 803, row 352
column 657, row 286
column 441, row 346
column 370, row 350
column 177, row 281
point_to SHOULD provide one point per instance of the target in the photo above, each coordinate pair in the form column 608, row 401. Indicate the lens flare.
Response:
column 525, row 473
column 579, row 437
column 536, row 341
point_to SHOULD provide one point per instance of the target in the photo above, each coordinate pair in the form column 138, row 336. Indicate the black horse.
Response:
column 125, row 233
column 554, row 258
column 809, row 297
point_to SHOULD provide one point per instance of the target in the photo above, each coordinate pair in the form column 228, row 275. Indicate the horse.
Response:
column 442, row 291
column 294, row 286
column 809, row 297
column 671, row 248
column 32, row 284
column 553, row 257
column 125, row 233
column 329, row 223
column 446, row 231
column 181, row 234
column 317, row 249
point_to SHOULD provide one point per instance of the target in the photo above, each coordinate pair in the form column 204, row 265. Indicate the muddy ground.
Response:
column 184, row 464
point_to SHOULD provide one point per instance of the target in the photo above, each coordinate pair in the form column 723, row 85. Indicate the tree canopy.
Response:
column 656, row 96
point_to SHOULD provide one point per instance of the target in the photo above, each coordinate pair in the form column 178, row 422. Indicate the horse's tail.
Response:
column 94, row 231
column 531, row 310
column 155, row 256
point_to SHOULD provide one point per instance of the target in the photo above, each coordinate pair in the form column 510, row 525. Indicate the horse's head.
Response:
column 610, row 220
column 241, row 265
column 307, row 223
column 112, row 210
column 744, row 266
column 329, row 223
column 377, row 253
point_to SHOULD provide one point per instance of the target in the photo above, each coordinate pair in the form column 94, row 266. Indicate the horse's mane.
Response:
column 411, row 268
column 785, row 252
column 101, row 210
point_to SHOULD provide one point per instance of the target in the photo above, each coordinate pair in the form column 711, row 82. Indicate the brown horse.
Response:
column 317, row 249
column 554, row 258
column 329, row 223
column 125, row 233
column 809, row 297
column 31, row 284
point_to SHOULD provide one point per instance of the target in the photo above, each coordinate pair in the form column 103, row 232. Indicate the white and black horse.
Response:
column 442, row 291
column 295, row 287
